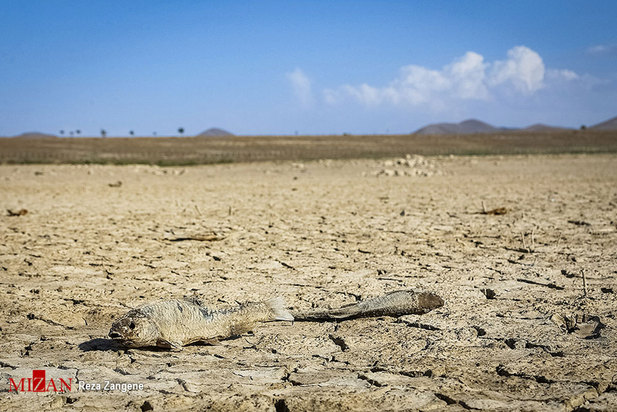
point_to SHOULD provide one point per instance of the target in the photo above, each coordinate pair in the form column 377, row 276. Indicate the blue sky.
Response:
column 312, row 67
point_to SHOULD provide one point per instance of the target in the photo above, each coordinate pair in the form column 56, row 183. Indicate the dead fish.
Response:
column 175, row 323
column 399, row 303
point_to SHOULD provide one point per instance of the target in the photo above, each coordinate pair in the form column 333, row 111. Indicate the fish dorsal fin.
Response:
column 194, row 300
column 280, row 312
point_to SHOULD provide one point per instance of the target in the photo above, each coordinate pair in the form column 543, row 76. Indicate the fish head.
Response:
column 135, row 329
column 428, row 301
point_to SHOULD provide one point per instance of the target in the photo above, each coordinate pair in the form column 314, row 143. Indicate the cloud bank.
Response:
column 467, row 78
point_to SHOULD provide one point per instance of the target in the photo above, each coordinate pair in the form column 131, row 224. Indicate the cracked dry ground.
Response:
column 516, row 332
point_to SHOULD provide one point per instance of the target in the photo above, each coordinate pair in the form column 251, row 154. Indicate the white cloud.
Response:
column 468, row 75
column 301, row 86
column 603, row 49
column 416, row 85
column 468, row 78
column 524, row 70
column 563, row 74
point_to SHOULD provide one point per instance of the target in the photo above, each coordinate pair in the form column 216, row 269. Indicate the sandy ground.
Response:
column 516, row 332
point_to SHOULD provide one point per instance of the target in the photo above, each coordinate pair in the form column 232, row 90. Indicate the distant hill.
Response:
column 476, row 126
column 539, row 127
column 466, row 127
column 610, row 124
column 214, row 132
column 35, row 135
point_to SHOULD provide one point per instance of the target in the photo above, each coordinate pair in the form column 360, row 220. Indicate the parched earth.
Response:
column 522, row 249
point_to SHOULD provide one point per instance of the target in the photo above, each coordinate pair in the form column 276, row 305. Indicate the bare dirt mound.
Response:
column 214, row 132
column 35, row 135
column 610, row 124
column 469, row 126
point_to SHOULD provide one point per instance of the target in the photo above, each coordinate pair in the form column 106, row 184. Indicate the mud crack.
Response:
column 370, row 381
column 502, row 371
column 340, row 342
column 419, row 325
column 452, row 401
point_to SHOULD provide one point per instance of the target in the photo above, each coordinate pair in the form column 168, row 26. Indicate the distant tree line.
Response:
column 71, row 132
column 103, row 132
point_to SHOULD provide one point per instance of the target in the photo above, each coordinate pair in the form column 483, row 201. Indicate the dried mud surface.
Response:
column 517, row 330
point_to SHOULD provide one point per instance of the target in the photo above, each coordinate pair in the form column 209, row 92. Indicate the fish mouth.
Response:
column 115, row 335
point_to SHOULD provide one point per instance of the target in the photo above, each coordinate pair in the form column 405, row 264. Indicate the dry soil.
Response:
column 519, row 329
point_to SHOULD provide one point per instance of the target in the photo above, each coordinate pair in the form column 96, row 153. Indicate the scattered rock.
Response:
column 18, row 212
column 498, row 211
column 489, row 293
column 410, row 165
column 146, row 406
column 583, row 326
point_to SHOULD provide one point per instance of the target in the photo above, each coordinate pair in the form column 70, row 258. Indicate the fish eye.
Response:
column 132, row 325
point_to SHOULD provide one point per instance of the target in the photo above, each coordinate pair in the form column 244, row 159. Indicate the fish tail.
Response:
column 277, row 305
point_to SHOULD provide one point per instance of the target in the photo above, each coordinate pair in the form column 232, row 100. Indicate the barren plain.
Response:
column 183, row 151
column 523, row 250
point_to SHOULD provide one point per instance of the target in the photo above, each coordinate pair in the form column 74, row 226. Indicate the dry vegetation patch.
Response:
column 191, row 151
